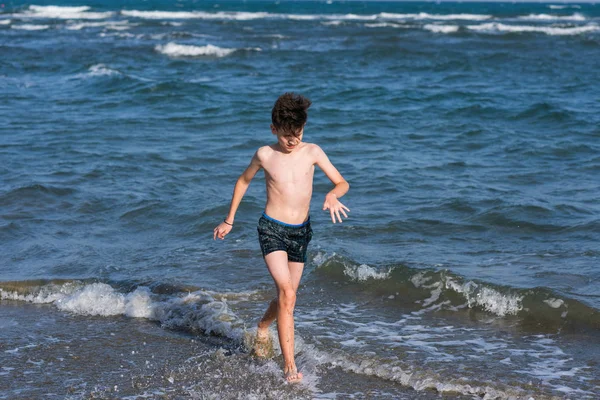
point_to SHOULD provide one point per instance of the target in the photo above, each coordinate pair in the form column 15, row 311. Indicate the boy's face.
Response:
column 288, row 141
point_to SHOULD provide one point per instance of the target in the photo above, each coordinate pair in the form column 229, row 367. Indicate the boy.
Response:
column 284, row 229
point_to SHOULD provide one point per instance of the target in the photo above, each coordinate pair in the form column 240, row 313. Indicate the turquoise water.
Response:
column 469, row 135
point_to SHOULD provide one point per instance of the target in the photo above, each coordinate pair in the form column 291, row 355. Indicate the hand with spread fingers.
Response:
column 221, row 230
column 335, row 208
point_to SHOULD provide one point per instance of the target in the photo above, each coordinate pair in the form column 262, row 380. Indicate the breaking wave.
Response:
column 428, row 290
column 495, row 27
column 182, row 50
column 59, row 12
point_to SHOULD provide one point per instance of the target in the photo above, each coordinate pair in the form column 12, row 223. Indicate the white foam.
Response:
column 363, row 272
column 5, row 21
column 547, row 17
column 554, row 303
column 197, row 311
column 384, row 25
column 555, row 7
column 441, row 17
column 30, row 27
column 238, row 16
column 549, row 30
column 441, row 28
column 247, row 16
column 182, row 50
column 57, row 12
column 101, row 70
column 113, row 25
column 489, row 299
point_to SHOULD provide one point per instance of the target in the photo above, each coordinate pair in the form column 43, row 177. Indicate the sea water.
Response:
column 469, row 133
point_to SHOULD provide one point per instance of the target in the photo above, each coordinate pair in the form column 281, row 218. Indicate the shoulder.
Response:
column 315, row 151
column 263, row 152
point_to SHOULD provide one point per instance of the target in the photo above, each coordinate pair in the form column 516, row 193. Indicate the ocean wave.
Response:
column 30, row 27
column 562, row 7
column 222, row 15
column 59, row 12
column 384, row 25
column 113, row 25
column 409, row 376
column 429, row 290
column 495, row 27
column 5, row 21
column 193, row 312
column 547, row 17
column 248, row 16
column 182, row 50
column 35, row 192
column 209, row 313
column 441, row 28
column 442, row 17
column 102, row 70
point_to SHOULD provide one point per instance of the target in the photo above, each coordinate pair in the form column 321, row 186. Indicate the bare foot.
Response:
column 293, row 376
column 263, row 345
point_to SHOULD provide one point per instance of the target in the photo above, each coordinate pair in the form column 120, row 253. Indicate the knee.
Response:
column 287, row 298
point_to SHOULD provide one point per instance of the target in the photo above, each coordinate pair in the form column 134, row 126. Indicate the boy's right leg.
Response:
column 295, row 269
column 277, row 263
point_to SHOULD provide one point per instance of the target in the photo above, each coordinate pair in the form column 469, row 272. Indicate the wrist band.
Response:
column 227, row 223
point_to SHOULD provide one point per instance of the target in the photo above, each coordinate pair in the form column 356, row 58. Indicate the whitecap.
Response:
column 441, row 28
column 182, row 50
column 58, row 12
column 239, row 16
column 363, row 272
column 383, row 25
column 30, row 27
column 554, row 303
column 487, row 298
column 197, row 311
column 101, row 70
column 555, row 7
column 113, row 25
column 5, row 21
column 549, row 30
column 547, row 17
column 443, row 17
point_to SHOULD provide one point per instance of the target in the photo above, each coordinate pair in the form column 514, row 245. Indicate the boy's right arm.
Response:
column 238, row 192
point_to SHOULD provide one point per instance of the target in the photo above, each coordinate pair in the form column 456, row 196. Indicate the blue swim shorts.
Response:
column 274, row 235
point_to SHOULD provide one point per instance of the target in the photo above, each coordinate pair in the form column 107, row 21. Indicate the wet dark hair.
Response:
column 289, row 112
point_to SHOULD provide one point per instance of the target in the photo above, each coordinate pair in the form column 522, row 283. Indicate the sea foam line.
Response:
column 59, row 12
column 441, row 28
column 197, row 311
column 247, row 16
column 30, row 27
column 547, row 17
column 182, row 50
column 549, row 30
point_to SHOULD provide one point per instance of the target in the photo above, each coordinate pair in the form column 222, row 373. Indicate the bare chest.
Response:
column 287, row 170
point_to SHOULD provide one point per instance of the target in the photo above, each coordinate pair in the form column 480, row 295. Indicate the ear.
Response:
column 273, row 129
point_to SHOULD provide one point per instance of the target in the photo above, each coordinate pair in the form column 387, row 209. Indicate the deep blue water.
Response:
column 469, row 133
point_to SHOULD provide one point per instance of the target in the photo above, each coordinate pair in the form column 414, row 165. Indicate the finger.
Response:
column 325, row 206
column 215, row 235
column 345, row 208
column 343, row 212
column 332, row 216
column 337, row 213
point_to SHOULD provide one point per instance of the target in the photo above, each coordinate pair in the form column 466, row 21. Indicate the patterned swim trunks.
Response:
column 274, row 235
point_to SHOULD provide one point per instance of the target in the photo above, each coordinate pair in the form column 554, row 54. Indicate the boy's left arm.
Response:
column 335, row 207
